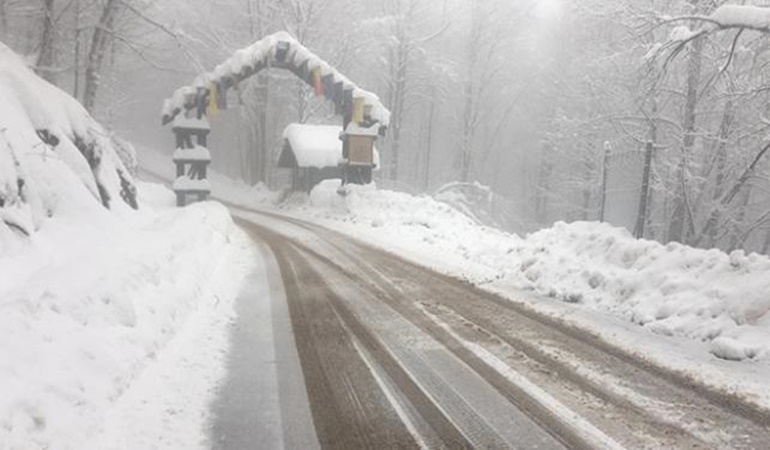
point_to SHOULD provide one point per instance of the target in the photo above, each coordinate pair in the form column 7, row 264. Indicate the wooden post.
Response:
column 607, row 150
column 347, row 118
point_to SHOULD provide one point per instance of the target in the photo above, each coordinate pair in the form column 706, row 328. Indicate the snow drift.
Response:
column 54, row 157
column 92, row 290
column 89, row 305
column 675, row 290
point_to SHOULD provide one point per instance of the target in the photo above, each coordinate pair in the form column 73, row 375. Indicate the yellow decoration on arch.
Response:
column 213, row 100
column 358, row 110
column 317, row 83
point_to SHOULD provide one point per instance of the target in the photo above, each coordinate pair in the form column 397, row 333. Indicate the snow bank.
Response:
column 674, row 290
column 404, row 217
column 54, row 158
column 87, row 305
column 405, row 224
column 91, row 291
column 158, row 167
column 482, row 204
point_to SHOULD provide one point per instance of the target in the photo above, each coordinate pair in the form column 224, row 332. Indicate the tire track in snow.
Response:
column 693, row 403
column 349, row 408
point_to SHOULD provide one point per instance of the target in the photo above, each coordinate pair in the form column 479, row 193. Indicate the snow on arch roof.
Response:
column 279, row 50
column 315, row 146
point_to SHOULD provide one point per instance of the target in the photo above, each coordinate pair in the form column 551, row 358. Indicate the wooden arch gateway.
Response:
column 364, row 117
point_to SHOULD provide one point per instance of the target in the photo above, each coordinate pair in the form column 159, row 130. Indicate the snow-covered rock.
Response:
column 91, row 296
column 54, row 158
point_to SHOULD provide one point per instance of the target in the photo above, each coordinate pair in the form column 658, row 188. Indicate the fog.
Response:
column 536, row 99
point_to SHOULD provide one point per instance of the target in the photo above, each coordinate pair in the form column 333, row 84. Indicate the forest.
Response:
column 552, row 109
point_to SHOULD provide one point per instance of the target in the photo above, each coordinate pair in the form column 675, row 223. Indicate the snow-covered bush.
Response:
column 54, row 157
column 481, row 204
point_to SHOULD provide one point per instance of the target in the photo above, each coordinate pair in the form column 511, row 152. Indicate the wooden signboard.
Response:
column 361, row 150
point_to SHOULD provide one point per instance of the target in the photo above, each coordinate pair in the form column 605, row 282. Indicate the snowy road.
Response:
column 381, row 353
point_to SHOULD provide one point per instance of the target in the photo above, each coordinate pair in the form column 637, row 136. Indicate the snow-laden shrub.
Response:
column 481, row 204
column 54, row 157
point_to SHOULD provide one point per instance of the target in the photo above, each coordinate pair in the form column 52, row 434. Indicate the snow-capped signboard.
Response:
column 361, row 145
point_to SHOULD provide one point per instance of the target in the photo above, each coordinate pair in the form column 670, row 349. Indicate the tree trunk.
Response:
column 588, row 187
column 3, row 21
column 97, row 51
column 45, row 59
column 468, row 133
column 735, row 241
column 76, row 74
column 725, row 128
column 653, row 137
column 469, row 93
column 262, row 128
column 681, row 224
column 429, row 143
column 544, row 186
column 398, row 84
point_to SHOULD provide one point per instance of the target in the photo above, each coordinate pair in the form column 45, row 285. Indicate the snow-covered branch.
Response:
column 727, row 17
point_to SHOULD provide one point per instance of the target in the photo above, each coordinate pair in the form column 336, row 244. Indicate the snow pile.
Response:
column 263, row 54
column 672, row 289
column 480, row 203
column 87, row 305
column 54, row 158
column 404, row 223
column 159, row 167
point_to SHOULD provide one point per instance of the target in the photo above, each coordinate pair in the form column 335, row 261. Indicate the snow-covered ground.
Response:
column 115, row 321
column 114, row 304
column 98, row 313
column 702, row 313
